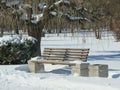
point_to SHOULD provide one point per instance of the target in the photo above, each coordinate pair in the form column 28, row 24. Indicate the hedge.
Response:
column 17, row 50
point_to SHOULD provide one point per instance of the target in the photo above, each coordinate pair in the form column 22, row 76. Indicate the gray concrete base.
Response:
column 98, row 70
column 83, row 69
column 80, row 69
column 35, row 67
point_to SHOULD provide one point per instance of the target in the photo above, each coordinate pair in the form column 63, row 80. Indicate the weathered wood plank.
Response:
column 54, row 62
column 65, row 55
column 68, row 51
column 66, row 48
column 61, row 52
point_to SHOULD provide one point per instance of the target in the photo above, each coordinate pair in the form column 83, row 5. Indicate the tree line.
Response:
column 34, row 16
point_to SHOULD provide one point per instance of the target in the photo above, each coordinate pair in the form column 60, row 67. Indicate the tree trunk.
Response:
column 16, row 29
column 35, row 30
column 16, row 25
column 1, row 34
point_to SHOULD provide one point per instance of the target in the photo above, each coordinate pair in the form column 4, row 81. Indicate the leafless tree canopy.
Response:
column 57, row 15
column 11, row 20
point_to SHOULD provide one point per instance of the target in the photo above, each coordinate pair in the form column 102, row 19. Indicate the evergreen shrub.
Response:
column 16, row 50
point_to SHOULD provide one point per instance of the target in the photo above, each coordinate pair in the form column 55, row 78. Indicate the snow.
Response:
column 12, row 3
column 58, row 77
column 62, row 1
column 24, row 16
column 53, row 13
column 56, row 13
column 37, row 58
column 66, row 1
column 15, row 39
column 58, row 2
column 42, row 5
column 37, row 18
column 75, row 17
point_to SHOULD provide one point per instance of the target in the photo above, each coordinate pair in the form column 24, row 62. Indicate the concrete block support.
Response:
column 98, row 70
column 80, row 69
column 35, row 67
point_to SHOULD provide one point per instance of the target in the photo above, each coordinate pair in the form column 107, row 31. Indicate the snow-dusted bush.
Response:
column 16, row 50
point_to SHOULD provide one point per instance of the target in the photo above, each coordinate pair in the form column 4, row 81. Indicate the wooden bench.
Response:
column 61, row 56
column 65, row 54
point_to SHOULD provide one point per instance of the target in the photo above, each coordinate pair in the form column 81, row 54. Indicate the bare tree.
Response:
column 104, row 14
column 36, row 20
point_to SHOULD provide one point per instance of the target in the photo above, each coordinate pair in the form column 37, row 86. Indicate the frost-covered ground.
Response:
column 58, row 77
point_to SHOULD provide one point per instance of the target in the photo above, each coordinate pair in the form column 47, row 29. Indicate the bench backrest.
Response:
column 66, row 54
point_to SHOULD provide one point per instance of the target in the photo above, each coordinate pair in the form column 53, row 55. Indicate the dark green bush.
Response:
column 17, row 52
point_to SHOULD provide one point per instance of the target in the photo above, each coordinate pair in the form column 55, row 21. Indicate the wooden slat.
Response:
column 54, row 50
column 77, row 57
column 53, row 62
column 54, row 58
column 66, row 49
column 72, row 53
column 63, row 56
column 57, row 54
column 66, row 59
column 78, row 54
column 69, row 51
column 72, row 58
column 54, row 53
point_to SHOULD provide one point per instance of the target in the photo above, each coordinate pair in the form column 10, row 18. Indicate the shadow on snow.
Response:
column 111, row 55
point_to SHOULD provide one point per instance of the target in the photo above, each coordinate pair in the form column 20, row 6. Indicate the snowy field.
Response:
column 58, row 77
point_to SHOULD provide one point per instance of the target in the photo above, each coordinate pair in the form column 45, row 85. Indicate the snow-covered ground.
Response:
column 58, row 77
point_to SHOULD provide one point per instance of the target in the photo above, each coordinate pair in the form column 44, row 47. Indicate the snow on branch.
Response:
column 36, row 18
column 53, row 13
column 25, row 6
column 24, row 16
column 42, row 5
column 52, row 10
column 56, row 13
column 68, row 16
column 68, row 4
column 79, row 9
column 59, row 3
column 75, row 18
column 12, row 3
column 62, row 1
